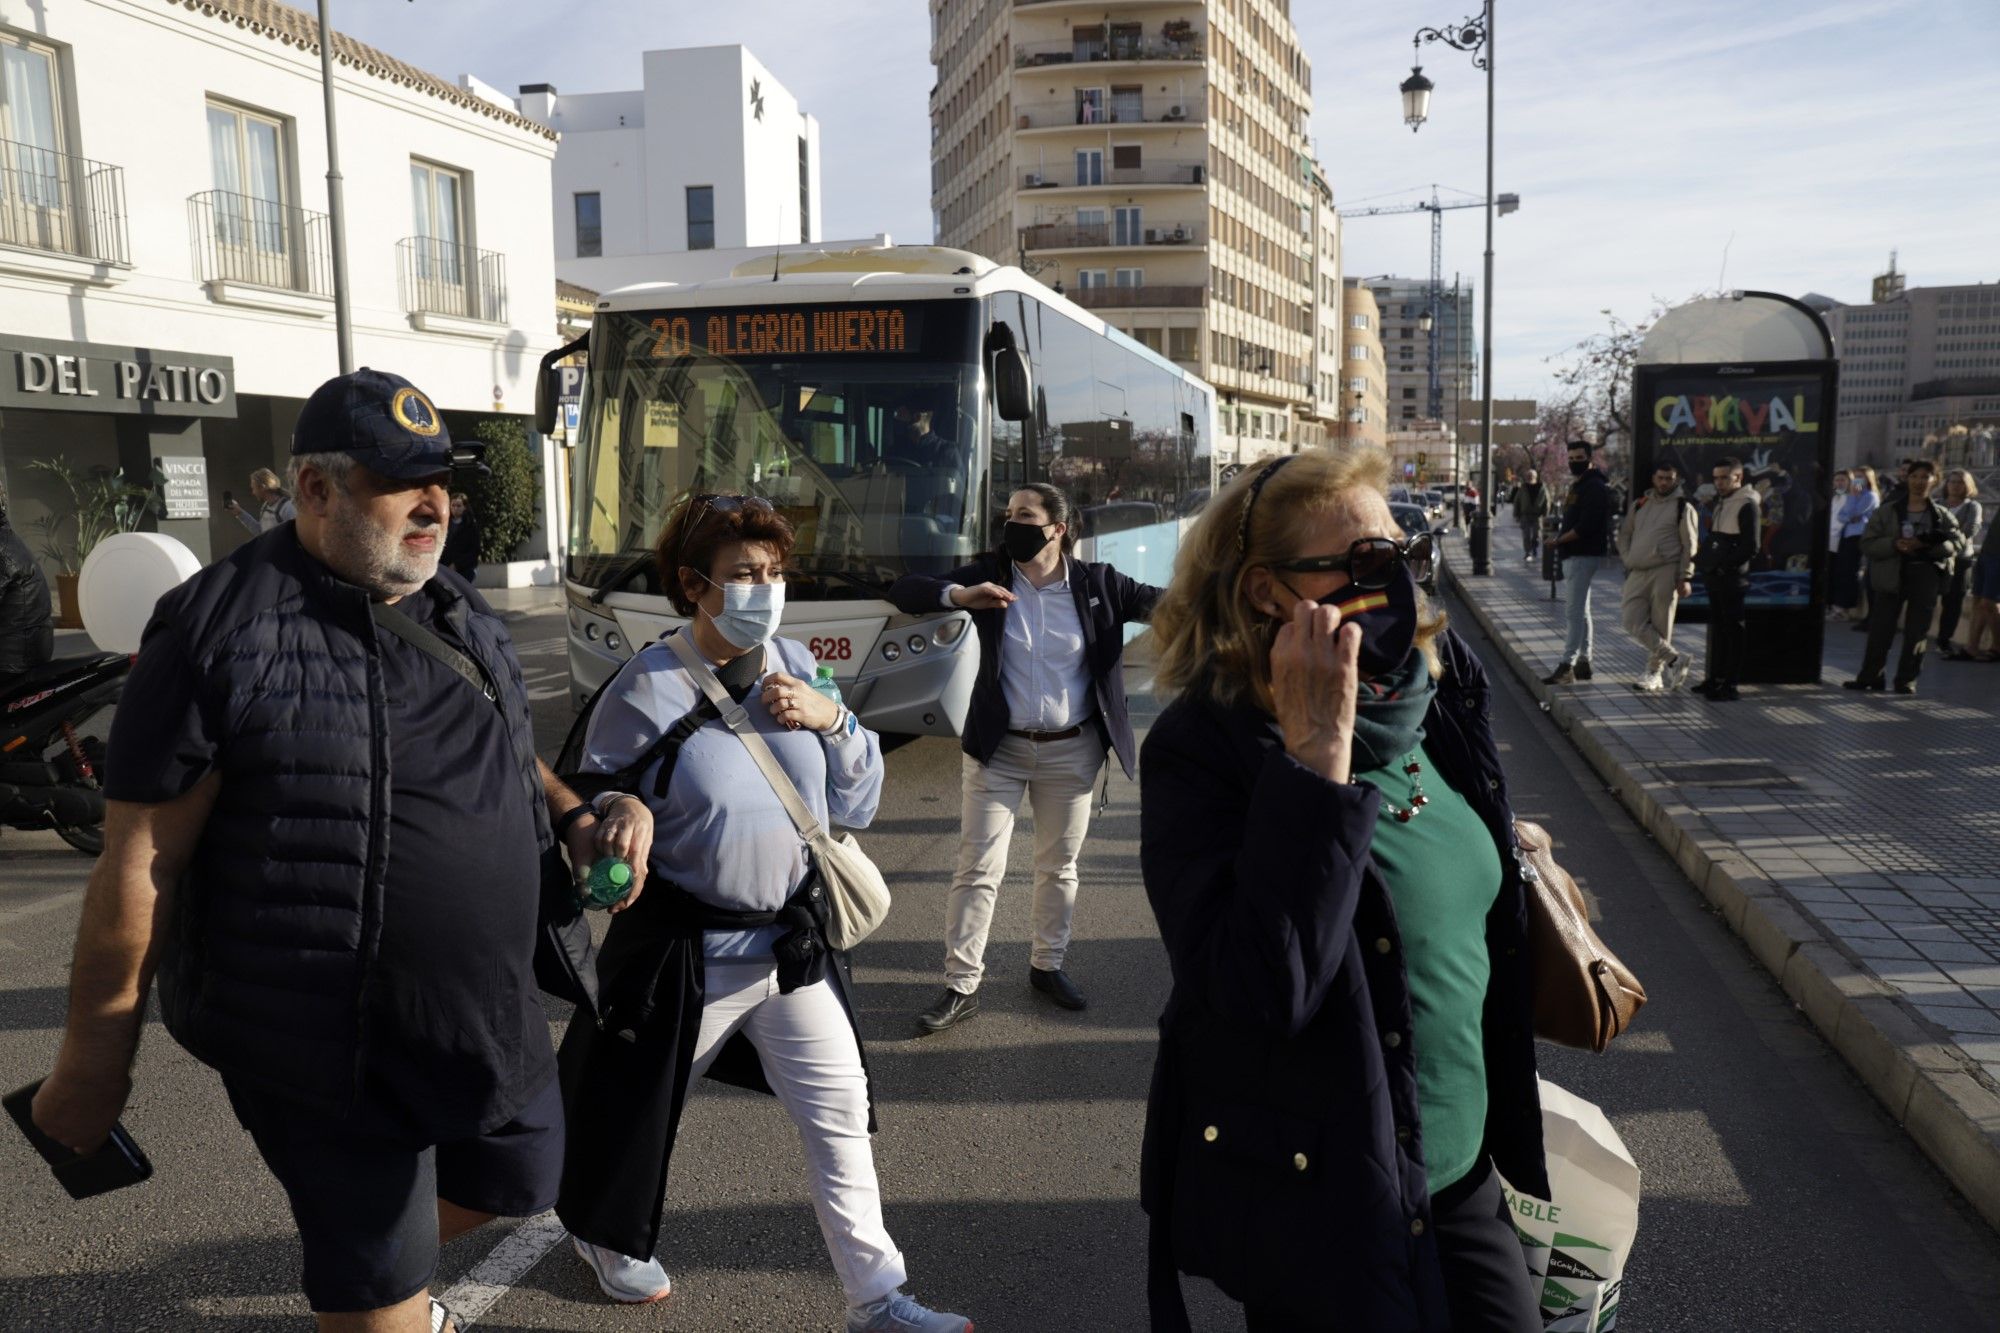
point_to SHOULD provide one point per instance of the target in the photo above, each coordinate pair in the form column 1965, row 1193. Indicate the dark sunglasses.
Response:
column 1372, row 561
column 733, row 504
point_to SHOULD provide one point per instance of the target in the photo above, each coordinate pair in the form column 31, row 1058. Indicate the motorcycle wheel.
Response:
column 86, row 838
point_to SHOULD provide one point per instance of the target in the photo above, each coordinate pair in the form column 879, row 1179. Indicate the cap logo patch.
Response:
column 414, row 412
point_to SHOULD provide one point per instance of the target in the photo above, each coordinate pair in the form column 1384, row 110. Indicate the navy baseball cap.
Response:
column 384, row 421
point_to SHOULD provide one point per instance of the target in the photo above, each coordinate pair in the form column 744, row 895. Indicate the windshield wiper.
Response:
column 620, row 577
column 879, row 587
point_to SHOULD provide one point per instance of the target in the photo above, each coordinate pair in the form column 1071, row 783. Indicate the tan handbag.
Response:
column 1583, row 995
column 857, row 897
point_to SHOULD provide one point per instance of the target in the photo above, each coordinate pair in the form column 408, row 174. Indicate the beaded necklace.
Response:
column 1418, row 800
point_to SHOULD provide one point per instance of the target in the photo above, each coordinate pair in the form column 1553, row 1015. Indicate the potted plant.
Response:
column 100, row 503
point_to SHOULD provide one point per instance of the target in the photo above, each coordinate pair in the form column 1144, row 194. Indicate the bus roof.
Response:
column 810, row 275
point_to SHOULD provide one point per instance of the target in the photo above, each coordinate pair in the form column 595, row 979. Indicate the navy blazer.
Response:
column 1106, row 601
column 1284, row 1153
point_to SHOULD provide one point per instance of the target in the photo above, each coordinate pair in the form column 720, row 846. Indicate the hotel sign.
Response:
column 133, row 381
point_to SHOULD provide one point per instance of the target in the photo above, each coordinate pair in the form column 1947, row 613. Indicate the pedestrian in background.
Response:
column 1734, row 533
column 1048, row 703
column 274, row 504
column 339, row 875
column 724, row 969
column 1531, row 505
column 1985, row 601
column 1581, row 544
column 1851, row 514
column 1961, row 497
column 27, row 616
column 461, row 538
column 1656, row 543
column 1347, row 1058
column 1911, row 548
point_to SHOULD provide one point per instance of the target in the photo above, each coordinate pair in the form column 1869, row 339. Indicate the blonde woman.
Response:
column 1347, row 1059
column 1961, row 497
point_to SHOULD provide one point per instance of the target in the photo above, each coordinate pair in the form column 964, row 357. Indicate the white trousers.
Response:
column 1058, row 777
column 810, row 1056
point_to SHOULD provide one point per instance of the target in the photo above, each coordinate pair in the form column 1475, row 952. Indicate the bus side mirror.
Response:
column 1013, row 386
column 547, row 389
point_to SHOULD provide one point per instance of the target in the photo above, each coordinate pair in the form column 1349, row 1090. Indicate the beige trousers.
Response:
column 1058, row 777
column 1648, row 608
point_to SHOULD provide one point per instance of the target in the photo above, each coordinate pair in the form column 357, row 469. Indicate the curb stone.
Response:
column 1949, row 1114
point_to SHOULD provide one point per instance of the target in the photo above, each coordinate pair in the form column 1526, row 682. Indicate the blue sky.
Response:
column 1803, row 141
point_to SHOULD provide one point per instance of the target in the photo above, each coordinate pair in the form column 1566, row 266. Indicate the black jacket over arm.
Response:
column 1284, row 1155
column 1106, row 601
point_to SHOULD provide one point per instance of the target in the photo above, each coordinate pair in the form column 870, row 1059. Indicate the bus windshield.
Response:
column 862, row 425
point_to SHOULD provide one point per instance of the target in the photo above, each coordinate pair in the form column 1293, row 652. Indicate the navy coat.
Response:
column 1283, row 1155
column 1106, row 601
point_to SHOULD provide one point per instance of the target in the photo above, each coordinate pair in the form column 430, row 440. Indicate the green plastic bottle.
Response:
column 606, row 885
column 824, row 682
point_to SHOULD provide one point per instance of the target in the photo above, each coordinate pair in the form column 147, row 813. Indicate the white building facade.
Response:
column 711, row 154
column 165, row 262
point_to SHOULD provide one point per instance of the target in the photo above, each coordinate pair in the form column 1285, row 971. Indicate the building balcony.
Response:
column 445, row 281
column 1103, row 235
column 1143, row 297
column 1092, row 174
column 261, row 243
column 62, row 204
column 1162, row 109
column 1114, row 50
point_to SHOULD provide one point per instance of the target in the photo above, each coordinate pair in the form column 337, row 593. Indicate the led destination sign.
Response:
column 789, row 331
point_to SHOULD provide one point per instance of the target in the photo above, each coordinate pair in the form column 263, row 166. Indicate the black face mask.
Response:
column 1388, row 620
column 1578, row 469
column 1024, row 541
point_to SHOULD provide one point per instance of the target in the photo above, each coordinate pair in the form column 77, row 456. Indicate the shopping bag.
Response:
column 1576, row 1243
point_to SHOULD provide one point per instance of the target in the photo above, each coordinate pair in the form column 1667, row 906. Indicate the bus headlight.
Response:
column 612, row 641
column 951, row 632
column 890, row 652
column 590, row 630
column 918, row 643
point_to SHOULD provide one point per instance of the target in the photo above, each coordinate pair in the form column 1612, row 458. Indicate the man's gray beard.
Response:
column 370, row 558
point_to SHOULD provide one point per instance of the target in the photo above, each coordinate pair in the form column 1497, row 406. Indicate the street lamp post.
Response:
column 336, row 209
column 1475, row 35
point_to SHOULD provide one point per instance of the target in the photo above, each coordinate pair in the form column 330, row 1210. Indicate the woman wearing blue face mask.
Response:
column 1347, row 1056
column 1048, row 704
column 722, row 967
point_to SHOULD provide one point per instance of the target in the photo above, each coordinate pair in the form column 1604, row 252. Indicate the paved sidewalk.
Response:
column 1852, row 840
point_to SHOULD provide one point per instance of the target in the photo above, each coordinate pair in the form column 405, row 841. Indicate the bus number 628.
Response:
column 832, row 650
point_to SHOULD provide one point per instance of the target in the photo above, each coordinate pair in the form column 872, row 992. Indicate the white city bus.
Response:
column 804, row 379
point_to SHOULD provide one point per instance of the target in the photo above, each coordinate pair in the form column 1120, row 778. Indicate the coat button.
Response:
column 1402, row 1134
column 1392, row 1039
column 1210, row 1134
column 1416, row 1226
column 1382, row 945
column 1493, row 784
column 1299, row 1160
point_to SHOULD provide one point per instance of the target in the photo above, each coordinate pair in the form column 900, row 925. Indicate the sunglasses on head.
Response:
column 1372, row 561
column 733, row 504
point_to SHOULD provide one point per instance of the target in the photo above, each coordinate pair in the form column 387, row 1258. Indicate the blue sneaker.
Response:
column 897, row 1313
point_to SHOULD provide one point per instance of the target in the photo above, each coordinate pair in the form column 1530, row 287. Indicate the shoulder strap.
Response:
column 399, row 623
column 737, row 719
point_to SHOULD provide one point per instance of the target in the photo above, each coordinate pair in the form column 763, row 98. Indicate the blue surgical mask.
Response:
column 750, row 612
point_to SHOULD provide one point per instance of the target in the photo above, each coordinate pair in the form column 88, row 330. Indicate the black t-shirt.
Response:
column 452, row 1019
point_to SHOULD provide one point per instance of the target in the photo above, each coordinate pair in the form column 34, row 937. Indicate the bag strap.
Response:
column 737, row 719
column 399, row 623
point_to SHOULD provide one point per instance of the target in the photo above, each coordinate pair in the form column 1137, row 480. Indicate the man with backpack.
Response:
column 1657, row 543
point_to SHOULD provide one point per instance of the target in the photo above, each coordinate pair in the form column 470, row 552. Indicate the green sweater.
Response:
column 1443, row 875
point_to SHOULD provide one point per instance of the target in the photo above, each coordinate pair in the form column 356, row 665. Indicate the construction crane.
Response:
column 1506, row 203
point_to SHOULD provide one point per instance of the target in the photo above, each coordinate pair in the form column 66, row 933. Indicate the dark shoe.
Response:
column 1057, row 986
column 1562, row 675
column 1905, row 687
column 1875, row 684
column 1723, row 694
column 1583, row 668
column 1703, row 686
column 1948, row 648
column 952, row 1007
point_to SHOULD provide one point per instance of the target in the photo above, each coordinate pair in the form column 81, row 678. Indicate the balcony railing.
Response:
column 446, row 278
column 1133, row 298
column 62, row 203
column 1189, row 108
column 1110, row 49
column 1074, row 175
column 241, row 238
column 1075, row 235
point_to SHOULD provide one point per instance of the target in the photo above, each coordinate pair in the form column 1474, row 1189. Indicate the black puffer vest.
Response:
column 276, row 923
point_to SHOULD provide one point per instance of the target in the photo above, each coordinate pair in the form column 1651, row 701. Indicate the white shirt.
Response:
column 1043, row 672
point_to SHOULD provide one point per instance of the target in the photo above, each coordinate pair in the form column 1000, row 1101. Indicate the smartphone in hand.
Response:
column 118, row 1163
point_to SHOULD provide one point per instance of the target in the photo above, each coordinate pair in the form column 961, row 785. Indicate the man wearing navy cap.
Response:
column 323, row 789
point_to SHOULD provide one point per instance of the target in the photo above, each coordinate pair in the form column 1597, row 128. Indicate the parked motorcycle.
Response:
column 53, row 725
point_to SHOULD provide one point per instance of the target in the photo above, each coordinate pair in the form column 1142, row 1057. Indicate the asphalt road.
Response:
column 1778, row 1196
